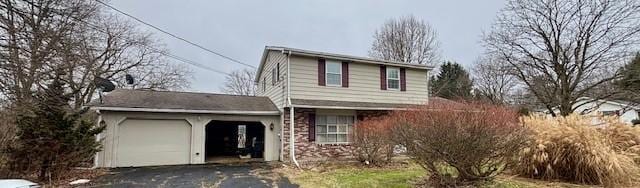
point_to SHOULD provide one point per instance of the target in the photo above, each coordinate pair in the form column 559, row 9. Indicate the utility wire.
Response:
column 181, row 59
column 175, row 36
column 167, row 54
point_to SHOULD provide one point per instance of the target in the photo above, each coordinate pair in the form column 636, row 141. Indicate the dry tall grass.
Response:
column 572, row 149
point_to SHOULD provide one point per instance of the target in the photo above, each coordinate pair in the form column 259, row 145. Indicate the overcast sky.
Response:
column 241, row 29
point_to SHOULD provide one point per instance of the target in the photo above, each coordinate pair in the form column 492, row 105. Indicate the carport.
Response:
column 234, row 141
column 150, row 128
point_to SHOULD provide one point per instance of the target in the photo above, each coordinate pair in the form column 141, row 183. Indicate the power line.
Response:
column 181, row 59
column 175, row 36
column 167, row 54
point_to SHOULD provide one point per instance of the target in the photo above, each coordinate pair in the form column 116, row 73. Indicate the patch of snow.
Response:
column 79, row 181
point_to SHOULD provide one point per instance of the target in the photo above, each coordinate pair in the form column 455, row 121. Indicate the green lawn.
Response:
column 397, row 177
column 352, row 176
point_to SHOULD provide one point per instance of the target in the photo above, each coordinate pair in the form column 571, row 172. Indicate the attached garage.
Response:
column 152, row 128
column 168, row 141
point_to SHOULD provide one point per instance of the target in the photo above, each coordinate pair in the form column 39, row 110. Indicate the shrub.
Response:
column 460, row 143
column 571, row 149
column 51, row 139
column 372, row 142
column 7, row 137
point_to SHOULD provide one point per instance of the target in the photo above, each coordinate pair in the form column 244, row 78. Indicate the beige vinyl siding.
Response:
column 275, row 92
column 364, row 84
column 119, row 136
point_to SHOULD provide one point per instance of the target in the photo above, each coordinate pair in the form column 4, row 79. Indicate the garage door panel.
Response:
column 153, row 142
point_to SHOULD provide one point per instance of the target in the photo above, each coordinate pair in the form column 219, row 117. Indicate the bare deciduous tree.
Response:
column 40, row 37
column 491, row 82
column 407, row 39
column 562, row 50
column 240, row 82
column 114, row 48
column 32, row 38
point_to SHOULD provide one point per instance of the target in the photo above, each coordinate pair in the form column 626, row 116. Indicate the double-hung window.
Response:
column 334, row 73
column 333, row 129
column 393, row 78
column 264, row 84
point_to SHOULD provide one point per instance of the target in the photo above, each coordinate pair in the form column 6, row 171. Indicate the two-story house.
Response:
column 325, row 93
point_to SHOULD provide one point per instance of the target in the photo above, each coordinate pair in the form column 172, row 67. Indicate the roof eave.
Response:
column 347, row 107
column 169, row 110
column 350, row 58
column 263, row 60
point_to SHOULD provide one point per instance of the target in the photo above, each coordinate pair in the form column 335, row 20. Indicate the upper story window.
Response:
column 393, row 78
column 264, row 84
column 334, row 73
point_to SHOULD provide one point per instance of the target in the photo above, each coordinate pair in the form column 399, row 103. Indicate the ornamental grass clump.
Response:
column 573, row 149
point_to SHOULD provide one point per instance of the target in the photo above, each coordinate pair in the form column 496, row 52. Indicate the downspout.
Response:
column 428, row 88
column 292, row 150
column 95, row 157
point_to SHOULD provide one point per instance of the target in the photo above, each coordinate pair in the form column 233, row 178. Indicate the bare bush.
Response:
column 572, row 149
column 460, row 143
column 372, row 141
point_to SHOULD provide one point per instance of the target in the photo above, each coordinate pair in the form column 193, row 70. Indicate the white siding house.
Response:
column 625, row 110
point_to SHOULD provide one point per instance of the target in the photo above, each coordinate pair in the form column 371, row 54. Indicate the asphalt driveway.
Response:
column 237, row 175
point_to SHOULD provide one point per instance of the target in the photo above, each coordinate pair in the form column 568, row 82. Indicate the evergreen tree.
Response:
column 630, row 80
column 452, row 82
column 51, row 138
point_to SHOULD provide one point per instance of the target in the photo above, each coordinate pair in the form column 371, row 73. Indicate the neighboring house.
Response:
column 326, row 94
column 627, row 111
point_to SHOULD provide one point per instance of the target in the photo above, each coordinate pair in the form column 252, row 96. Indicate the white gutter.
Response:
column 95, row 158
column 292, row 148
column 232, row 112
column 349, row 108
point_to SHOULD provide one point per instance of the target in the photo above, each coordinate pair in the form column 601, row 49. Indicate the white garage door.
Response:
column 153, row 142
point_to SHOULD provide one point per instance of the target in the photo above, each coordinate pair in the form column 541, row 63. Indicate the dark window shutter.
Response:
column 403, row 82
column 321, row 72
column 278, row 72
column 383, row 77
column 312, row 127
column 345, row 74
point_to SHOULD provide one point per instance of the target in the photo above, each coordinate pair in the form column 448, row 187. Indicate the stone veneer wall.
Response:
column 307, row 151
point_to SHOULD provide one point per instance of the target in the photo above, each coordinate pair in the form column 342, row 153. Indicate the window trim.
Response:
column 326, row 73
column 349, row 131
column 389, row 78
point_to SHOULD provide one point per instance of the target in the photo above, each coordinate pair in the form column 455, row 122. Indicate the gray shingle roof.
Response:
column 183, row 101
